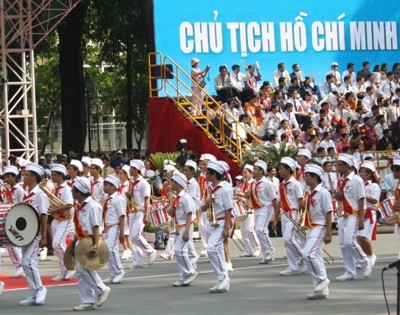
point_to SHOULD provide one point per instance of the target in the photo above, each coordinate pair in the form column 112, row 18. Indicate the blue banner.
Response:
column 309, row 32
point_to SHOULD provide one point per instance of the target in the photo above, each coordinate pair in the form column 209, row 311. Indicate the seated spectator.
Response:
column 118, row 160
column 107, row 169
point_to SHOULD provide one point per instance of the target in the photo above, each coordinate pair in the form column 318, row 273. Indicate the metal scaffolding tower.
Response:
column 23, row 25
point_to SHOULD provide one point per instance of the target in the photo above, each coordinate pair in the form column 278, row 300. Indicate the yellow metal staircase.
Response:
column 167, row 78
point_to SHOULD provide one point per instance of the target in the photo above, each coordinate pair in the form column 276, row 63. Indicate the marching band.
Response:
column 306, row 201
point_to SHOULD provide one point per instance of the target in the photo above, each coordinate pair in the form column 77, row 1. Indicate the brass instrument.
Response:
column 329, row 258
column 239, row 244
column 211, row 213
column 303, row 212
column 55, row 202
column 172, row 223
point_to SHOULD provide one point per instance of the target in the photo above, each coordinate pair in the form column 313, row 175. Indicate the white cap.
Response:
column 224, row 165
column 289, row 162
column 169, row 162
column 261, row 164
column 183, row 141
column 305, row 152
column 369, row 165
column 326, row 160
column 138, row 164
column 249, row 167
column 216, row 166
column 77, row 164
column 11, row 170
column 83, row 184
column 347, row 158
column 315, row 169
column 207, row 157
column 112, row 180
column 86, row 160
column 334, row 64
column 21, row 162
column 169, row 168
column 119, row 152
column 36, row 168
column 59, row 168
column 126, row 168
column 239, row 177
column 96, row 162
column 180, row 178
column 191, row 163
column 396, row 161
column 42, row 158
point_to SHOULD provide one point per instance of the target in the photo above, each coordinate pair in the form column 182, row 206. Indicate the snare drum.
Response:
column 159, row 215
column 19, row 224
column 386, row 208
column 239, row 210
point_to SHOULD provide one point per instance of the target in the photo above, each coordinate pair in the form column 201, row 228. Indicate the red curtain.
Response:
column 167, row 125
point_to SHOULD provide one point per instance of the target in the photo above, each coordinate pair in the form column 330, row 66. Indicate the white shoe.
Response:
column 165, row 256
column 373, row 260
column 43, row 253
column 41, row 296
column 118, row 278
column 103, row 297
column 188, row 280
column 345, row 277
column 359, row 266
column 223, row 286
column 135, row 266
column 58, row 278
column 229, row 266
column 258, row 252
column 271, row 256
column 69, row 274
column 108, row 280
column 322, row 285
column 126, row 254
column 214, row 289
column 367, row 268
column 84, row 307
column 302, row 268
column 194, row 261
column 203, row 253
column 28, row 301
column 18, row 273
column 152, row 257
column 178, row 284
column 1, row 287
column 316, row 296
column 289, row 272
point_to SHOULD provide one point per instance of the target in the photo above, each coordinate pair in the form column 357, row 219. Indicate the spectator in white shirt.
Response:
column 335, row 71
column 350, row 71
column 281, row 72
column 327, row 86
column 237, row 81
column 347, row 85
column 289, row 115
column 369, row 100
column 380, row 126
column 327, row 141
column 389, row 86
column 359, row 88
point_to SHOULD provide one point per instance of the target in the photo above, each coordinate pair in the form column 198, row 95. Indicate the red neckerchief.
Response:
column 310, row 203
column 71, row 182
column 27, row 197
column 285, row 204
column 9, row 194
column 92, row 186
column 79, row 231
column 331, row 183
column 255, row 201
column 347, row 208
column 120, row 189
column 105, row 210
column 57, row 190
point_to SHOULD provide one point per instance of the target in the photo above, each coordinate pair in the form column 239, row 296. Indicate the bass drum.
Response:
column 22, row 224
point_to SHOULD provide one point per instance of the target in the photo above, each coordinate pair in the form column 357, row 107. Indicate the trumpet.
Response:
column 211, row 214
column 329, row 258
column 172, row 223
column 303, row 212
column 55, row 202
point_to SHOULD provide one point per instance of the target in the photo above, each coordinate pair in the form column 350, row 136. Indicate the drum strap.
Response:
column 105, row 210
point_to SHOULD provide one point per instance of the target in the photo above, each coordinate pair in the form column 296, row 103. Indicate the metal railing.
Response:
column 177, row 84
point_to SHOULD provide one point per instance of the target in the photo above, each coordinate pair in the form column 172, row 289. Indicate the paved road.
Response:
column 255, row 289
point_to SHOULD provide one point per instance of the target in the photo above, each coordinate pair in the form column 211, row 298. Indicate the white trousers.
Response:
column 262, row 218
column 249, row 237
column 136, row 226
column 215, row 250
column 292, row 241
column 203, row 229
column 368, row 227
column 60, row 231
column 351, row 250
column 111, row 238
column 197, row 101
column 29, row 263
column 313, row 255
column 90, row 284
column 181, row 251
column 15, row 254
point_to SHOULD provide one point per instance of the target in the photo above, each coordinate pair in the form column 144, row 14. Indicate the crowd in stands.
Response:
column 351, row 111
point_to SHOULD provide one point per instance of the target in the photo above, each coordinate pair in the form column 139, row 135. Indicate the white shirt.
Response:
column 90, row 215
column 388, row 88
column 275, row 183
column 193, row 190
column 372, row 190
column 97, row 190
column 293, row 192
column 291, row 118
column 319, row 205
column 237, row 80
column 17, row 193
column 222, row 197
column 354, row 190
column 367, row 102
column 141, row 190
column 265, row 192
column 327, row 144
column 277, row 74
column 184, row 204
column 116, row 208
column 65, row 194
column 38, row 200
column 353, row 75
column 328, row 183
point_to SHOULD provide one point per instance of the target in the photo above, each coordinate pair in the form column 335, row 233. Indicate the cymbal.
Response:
column 69, row 260
column 88, row 260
